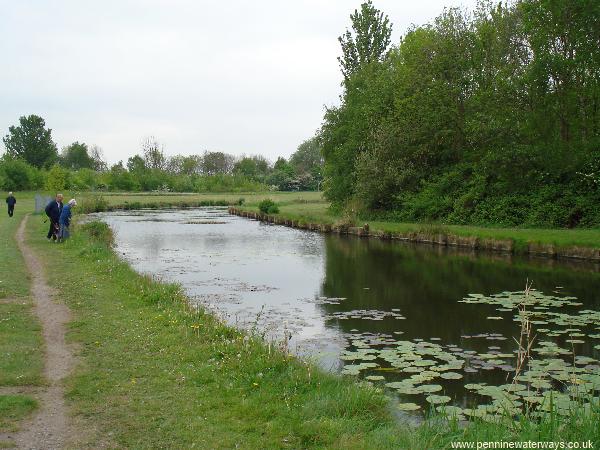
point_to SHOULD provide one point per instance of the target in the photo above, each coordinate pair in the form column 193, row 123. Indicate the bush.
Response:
column 57, row 179
column 268, row 206
column 95, row 203
column 228, row 183
column 15, row 175
column 99, row 232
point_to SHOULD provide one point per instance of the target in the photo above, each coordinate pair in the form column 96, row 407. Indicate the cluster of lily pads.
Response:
column 365, row 314
column 553, row 378
column 325, row 300
column 537, row 310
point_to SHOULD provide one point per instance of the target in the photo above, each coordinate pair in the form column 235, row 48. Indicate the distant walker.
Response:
column 11, row 201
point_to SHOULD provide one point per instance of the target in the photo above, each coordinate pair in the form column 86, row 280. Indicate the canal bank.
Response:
column 432, row 235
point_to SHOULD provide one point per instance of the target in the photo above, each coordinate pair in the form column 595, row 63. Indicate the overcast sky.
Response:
column 233, row 76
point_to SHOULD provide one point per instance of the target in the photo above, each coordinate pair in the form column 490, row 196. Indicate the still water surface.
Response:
column 336, row 294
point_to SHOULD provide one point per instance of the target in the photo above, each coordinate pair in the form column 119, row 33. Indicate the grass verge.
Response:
column 14, row 408
column 21, row 344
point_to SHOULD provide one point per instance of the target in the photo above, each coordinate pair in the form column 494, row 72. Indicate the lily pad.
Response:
column 375, row 378
column 451, row 376
column 438, row 399
column 429, row 388
column 408, row 406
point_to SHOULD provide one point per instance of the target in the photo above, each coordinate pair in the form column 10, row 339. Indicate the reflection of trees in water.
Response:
column 427, row 282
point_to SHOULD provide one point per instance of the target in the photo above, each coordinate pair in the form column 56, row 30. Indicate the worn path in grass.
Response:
column 50, row 428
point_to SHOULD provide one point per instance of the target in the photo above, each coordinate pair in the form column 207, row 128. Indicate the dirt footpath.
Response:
column 50, row 428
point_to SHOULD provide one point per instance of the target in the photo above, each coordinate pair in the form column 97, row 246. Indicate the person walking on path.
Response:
column 65, row 220
column 11, row 201
column 53, row 210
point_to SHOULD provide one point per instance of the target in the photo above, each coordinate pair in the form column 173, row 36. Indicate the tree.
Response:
column 308, row 156
column 280, row 164
column 120, row 179
column 245, row 166
column 217, row 162
column 136, row 164
column 76, row 156
column 154, row 156
column 97, row 156
column 367, row 42
column 31, row 141
column 191, row 165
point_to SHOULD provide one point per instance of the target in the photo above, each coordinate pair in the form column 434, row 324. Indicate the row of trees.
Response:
column 32, row 161
column 488, row 117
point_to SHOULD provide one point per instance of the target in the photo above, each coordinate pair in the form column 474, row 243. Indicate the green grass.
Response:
column 21, row 363
column 14, row 279
column 21, row 358
column 20, row 336
column 14, row 408
column 558, row 237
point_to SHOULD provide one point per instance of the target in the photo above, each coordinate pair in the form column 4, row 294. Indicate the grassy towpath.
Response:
column 51, row 425
column 21, row 349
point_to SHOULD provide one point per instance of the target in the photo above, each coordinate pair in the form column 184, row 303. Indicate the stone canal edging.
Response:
column 472, row 242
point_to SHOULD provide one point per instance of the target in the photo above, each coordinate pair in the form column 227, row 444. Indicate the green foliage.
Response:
column 76, row 156
column 93, row 203
column 84, row 179
column 367, row 42
column 31, row 141
column 482, row 118
column 15, row 175
column 136, row 164
column 268, row 206
column 99, row 232
column 228, row 183
column 57, row 179
column 118, row 178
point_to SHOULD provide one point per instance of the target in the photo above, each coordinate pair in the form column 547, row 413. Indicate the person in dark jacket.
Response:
column 11, row 201
column 53, row 210
column 65, row 220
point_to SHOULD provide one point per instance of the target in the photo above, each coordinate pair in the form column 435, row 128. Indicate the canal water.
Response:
column 420, row 321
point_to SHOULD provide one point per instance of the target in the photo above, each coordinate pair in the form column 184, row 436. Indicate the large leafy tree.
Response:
column 31, row 141
column 367, row 42
column 76, row 156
